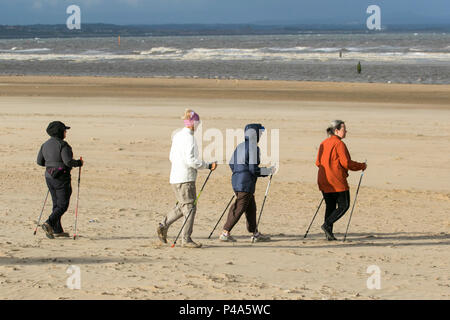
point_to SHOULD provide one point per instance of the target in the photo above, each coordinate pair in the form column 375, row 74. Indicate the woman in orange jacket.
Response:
column 333, row 160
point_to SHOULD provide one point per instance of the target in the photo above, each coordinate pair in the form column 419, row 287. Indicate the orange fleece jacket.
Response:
column 333, row 160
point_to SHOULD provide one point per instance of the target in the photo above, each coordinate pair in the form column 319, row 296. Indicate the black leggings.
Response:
column 333, row 214
column 61, row 190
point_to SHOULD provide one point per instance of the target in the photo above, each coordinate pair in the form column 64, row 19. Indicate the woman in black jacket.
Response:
column 57, row 158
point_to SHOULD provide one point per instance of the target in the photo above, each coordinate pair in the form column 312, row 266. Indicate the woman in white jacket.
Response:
column 185, row 163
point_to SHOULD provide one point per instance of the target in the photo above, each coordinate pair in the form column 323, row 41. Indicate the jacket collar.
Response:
column 335, row 137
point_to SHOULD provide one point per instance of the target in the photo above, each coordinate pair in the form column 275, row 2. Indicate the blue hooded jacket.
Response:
column 246, row 159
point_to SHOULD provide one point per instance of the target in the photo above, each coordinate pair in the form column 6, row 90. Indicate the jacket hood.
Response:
column 253, row 130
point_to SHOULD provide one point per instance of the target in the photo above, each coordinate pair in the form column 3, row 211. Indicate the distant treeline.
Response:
column 108, row 30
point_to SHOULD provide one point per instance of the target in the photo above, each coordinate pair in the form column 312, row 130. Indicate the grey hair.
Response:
column 334, row 125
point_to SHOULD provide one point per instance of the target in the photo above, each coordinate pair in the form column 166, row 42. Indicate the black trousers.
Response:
column 61, row 190
column 333, row 199
column 245, row 202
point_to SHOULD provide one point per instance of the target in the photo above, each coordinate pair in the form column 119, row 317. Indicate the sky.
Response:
column 24, row 12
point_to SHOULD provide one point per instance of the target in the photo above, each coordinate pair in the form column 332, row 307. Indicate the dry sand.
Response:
column 122, row 129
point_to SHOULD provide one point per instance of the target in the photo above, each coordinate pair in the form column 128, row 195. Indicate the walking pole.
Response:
column 221, row 216
column 78, row 196
column 45, row 201
column 313, row 218
column 195, row 203
column 264, row 201
column 354, row 202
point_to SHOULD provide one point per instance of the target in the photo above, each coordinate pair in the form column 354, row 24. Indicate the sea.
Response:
column 388, row 57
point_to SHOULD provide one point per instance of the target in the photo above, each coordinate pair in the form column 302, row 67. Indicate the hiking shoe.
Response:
column 162, row 233
column 333, row 238
column 259, row 237
column 61, row 235
column 48, row 230
column 329, row 234
column 191, row 244
column 226, row 238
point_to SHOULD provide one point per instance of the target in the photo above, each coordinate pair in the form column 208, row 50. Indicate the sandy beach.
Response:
column 122, row 128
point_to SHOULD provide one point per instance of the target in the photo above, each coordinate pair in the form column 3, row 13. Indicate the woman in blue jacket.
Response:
column 245, row 166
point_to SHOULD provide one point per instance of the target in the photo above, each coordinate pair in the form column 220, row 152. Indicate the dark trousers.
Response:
column 61, row 190
column 245, row 202
column 333, row 199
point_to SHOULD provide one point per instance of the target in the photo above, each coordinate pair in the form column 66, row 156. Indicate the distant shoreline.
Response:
column 90, row 30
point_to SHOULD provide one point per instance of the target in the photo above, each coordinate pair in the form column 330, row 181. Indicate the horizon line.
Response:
column 233, row 24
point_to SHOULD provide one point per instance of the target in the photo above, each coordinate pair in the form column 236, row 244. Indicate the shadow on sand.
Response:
column 317, row 241
column 69, row 260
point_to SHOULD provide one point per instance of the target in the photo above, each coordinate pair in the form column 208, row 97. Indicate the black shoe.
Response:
column 48, row 230
column 333, row 238
column 328, row 232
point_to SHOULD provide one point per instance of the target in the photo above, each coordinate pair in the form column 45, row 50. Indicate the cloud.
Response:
column 39, row 4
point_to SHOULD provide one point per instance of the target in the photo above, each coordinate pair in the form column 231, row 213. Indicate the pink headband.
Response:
column 190, row 122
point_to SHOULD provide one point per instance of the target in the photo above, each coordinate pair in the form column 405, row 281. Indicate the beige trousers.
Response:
column 185, row 194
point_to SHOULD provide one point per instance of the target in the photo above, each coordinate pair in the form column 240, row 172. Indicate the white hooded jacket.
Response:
column 184, row 157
